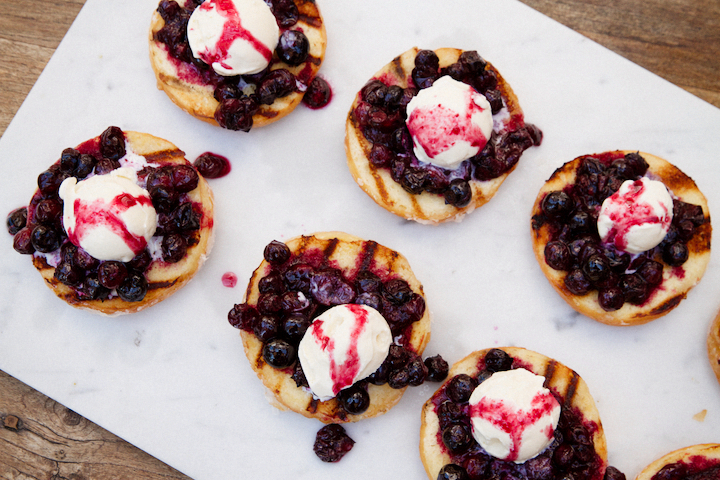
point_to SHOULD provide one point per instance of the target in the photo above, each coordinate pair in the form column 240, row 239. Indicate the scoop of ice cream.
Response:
column 513, row 416
column 110, row 216
column 449, row 122
column 235, row 37
column 343, row 345
column 637, row 217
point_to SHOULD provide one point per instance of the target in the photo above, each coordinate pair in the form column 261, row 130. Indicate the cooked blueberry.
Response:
column 651, row 271
column 45, row 239
column 557, row 205
column 22, row 241
column 276, row 84
column 210, row 165
column 16, row 220
column 437, row 368
column 318, row 93
column 612, row 473
column 329, row 288
column 460, row 387
column 373, row 300
column 675, row 254
column 634, row 288
column 557, row 255
column 266, row 327
column 332, row 443
column 279, row 353
column 69, row 160
column 297, row 277
column 459, row 193
column 397, row 291
column 243, row 316
column 611, row 299
column 292, row 47
column 497, row 360
column 452, row 472
column 457, row 438
column 276, row 253
column 67, row 274
column 354, row 400
column 111, row 273
column 112, row 143
column 576, row 282
column 295, row 326
column 596, row 268
column 174, row 247
column 399, row 378
column 133, row 288
column 366, row 281
column 417, row 371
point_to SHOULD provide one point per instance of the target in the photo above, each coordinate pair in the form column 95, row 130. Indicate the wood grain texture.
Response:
column 679, row 40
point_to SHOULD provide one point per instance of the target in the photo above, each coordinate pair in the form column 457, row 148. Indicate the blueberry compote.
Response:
column 695, row 468
column 40, row 230
column 240, row 97
column 574, row 245
column 571, row 455
column 298, row 287
column 381, row 112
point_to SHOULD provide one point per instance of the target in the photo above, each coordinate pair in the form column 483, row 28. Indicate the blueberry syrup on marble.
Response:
column 381, row 114
column 240, row 97
column 212, row 165
column 574, row 245
column 229, row 279
column 42, row 229
column 570, row 455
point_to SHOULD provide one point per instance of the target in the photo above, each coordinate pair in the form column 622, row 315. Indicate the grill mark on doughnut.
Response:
column 550, row 368
column 368, row 254
column 571, row 388
column 304, row 242
column 397, row 68
column 330, row 247
column 164, row 156
column 312, row 405
column 379, row 184
column 668, row 305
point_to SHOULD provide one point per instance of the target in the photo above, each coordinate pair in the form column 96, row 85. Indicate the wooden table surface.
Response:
column 678, row 40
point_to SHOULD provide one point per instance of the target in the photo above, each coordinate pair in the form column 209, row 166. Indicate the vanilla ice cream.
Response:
column 110, row 216
column 513, row 416
column 449, row 122
column 637, row 217
column 343, row 345
column 235, row 37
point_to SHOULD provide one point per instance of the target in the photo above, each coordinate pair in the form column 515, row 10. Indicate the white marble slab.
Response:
column 173, row 379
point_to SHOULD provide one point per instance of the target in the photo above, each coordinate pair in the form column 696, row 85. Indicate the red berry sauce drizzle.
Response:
column 342, row 374
column 42, row 233
column 575, row 247
column 570, row 455
column 382, row 109
column 236, row 108
column 695, row 468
